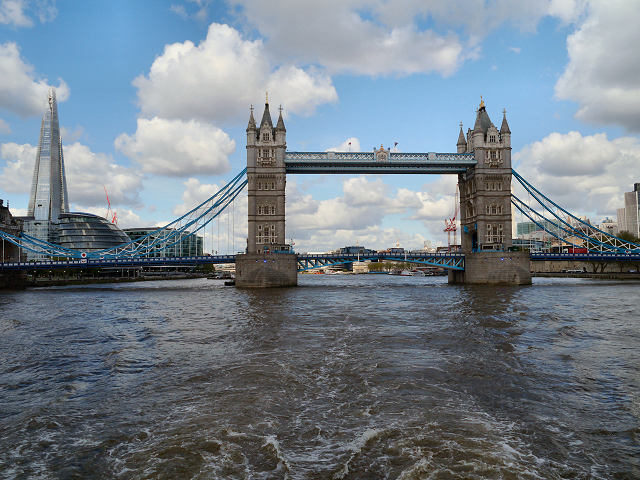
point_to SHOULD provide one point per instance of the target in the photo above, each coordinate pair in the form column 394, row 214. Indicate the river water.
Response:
column 343, row 377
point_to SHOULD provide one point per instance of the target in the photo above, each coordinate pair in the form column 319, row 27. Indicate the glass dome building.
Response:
column 88, row 233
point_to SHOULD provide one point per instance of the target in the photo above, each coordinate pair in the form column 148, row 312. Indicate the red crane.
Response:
column 451, row 224
column 109, row 211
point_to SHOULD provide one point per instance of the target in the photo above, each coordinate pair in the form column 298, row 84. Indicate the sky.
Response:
column 154, row 99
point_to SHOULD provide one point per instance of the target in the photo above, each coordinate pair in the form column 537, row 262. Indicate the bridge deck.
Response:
column 308, row 261
column 360, row 162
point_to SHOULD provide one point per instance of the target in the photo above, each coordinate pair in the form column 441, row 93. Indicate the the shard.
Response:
column 49, row 198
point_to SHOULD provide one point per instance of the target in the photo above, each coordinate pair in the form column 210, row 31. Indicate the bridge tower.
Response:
column 485, row 207
column 267, row 261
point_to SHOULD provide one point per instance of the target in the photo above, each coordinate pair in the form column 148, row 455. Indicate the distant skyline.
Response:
column 154, row 98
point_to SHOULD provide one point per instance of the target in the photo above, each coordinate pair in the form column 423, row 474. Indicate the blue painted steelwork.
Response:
column 454, row 261
column 120, row 262
column 595, row 240
column 585, row 257
column 305, row 262
column 341, row 162
column 163, row 238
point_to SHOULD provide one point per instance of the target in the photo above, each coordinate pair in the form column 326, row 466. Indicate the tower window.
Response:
column 265, row 137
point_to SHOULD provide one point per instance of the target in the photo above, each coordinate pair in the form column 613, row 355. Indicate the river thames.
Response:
column 343, row 377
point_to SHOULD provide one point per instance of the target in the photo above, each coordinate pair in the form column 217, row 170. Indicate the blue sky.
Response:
column 154, row 99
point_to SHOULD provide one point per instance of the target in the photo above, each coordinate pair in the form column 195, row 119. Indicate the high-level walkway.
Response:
column 359, row 163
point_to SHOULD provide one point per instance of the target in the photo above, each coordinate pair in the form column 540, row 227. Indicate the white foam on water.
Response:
column 272, row 446
column 356, row 447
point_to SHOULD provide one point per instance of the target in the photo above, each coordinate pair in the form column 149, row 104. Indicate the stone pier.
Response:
column 260, row 270
column 494, row 268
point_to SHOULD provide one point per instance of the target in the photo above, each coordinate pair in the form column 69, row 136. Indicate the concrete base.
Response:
column 494, row 268
column 13, row 280
column 263, row 270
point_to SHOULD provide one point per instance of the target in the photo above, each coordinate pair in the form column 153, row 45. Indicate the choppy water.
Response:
column 344, row 377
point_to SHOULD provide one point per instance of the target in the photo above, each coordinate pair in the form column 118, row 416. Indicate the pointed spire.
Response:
column 505, row 126
column 461, row 139
column 483, row 122
column 252, row 121
column 266, row 116
column 280, row 125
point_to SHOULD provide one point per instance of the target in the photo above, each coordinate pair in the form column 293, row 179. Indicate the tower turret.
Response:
column 462, row 142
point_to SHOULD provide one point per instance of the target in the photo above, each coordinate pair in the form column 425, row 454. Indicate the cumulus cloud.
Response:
column 342, row 37
column 17, row 172
column 176, row 148
column 349, row 145
column 194, row 194
column 228, row 231
column 86, row 173
column 602, row 73
column 382, row 37
column 583, row 174
column 21, row 92
column 365, row 205
column 222, row 76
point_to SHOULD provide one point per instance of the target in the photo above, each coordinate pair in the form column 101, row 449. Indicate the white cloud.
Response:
column 68, row 136
column 176, row 148
column 602, row 73
column 392, row 37
column 222, row 76
column 349, row 145
column 341, row 37
column 4, row 127
column 13, row 12
column 583, row 174
column 194, row 194
column 366, row 203
column 20, row 91
column 16, row 174
column 179, row 10
column 86, row 173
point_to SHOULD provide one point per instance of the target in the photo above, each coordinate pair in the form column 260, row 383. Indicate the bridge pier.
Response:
column 261, row 270
column 494, row 268
column 13, row 280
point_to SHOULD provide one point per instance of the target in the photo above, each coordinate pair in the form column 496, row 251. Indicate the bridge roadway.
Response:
column 372, row 162
column 307, row 261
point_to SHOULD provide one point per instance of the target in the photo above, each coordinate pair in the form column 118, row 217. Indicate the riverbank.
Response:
column 61, row 282
column 601, row 276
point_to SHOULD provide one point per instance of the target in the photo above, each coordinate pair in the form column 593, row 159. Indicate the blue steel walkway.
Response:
column 309, row 261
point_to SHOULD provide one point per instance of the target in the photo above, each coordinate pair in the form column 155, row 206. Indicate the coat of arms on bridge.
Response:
column 381, row 155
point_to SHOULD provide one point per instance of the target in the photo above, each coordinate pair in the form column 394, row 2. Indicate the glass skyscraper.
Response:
column 48, row 198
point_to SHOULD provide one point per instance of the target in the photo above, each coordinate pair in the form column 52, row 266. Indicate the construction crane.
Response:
column 110, row 213
column 451, row 224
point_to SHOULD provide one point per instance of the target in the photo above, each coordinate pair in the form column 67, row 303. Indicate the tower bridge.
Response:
column 482, row 162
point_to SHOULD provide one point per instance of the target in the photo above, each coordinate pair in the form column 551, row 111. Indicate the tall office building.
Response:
column 632, row 210
column 48, row 198
column 48, row 216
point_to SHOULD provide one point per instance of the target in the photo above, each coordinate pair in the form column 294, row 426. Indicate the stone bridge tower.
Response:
column 485, row 191
column 268, row 260
column 266, row 176
column 485, row 207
